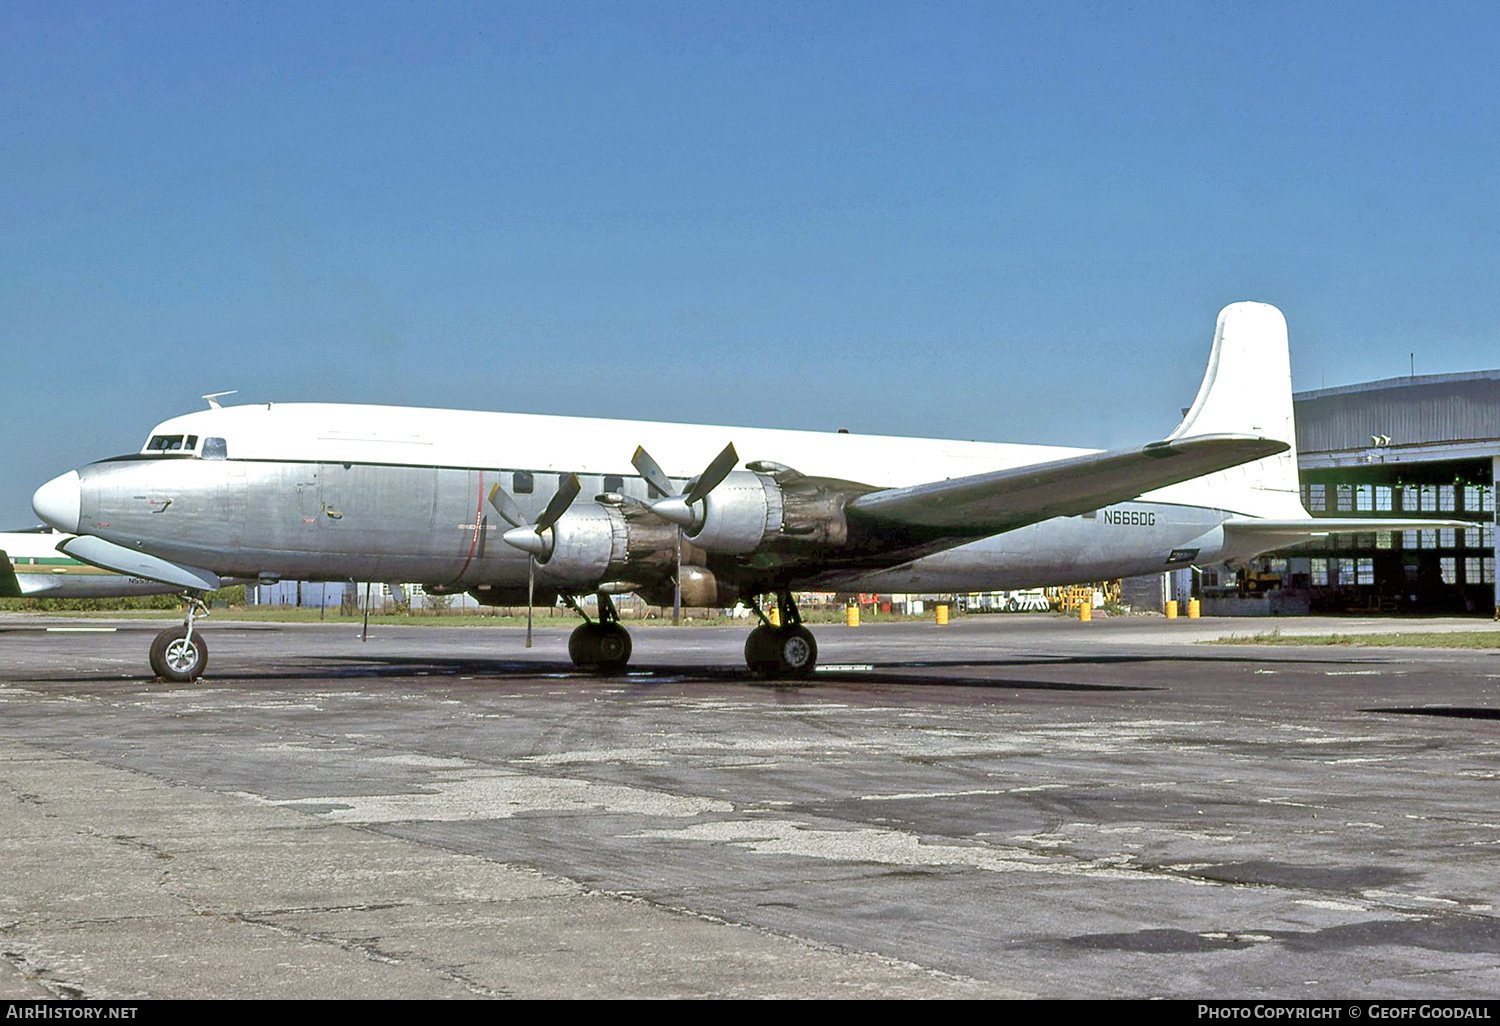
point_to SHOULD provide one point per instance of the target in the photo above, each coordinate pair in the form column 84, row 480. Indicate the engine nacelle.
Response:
column 596, row 543
column 740, row 515
column 586, row 542
column 752, row 509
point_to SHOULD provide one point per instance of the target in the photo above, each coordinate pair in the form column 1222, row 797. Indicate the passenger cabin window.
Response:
column 522, row 481
column 215, row 449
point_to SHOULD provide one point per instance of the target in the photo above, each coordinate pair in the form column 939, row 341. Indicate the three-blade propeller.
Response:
column 526, row 535
column 685, row 509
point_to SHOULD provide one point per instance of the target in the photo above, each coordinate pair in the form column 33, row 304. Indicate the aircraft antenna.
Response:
column 213, row 398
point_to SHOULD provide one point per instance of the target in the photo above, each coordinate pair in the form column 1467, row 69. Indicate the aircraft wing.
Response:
column 101, row 553
column 1004, row 500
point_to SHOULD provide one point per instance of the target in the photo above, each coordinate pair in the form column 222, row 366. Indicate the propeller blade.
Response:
column 656, row 479
column 506, row 507
column 717, row 471
column 567, row 490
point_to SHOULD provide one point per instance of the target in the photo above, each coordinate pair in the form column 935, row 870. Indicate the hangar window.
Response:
column 1346, row 571
column 1343, row 497
column 1383, row 498
column 1384, row 539
column 1448, row 566
column 1446, row 497
column 1317, row 498
column 1365, row 571
column 1364, row 498
column 1318, row 571
column 1409, row 499
column 1447, row 538
column 522, row 482
column 215, row 449
column 1479, row 499
column 1429, row 498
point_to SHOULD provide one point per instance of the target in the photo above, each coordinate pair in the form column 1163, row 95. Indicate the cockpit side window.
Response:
column 215, row 449
column 164, row 443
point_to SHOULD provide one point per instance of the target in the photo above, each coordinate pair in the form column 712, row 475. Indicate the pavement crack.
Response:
column 368, row 947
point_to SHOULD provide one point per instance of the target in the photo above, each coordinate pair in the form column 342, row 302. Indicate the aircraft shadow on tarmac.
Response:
column 645, row 675
column 1463, row 712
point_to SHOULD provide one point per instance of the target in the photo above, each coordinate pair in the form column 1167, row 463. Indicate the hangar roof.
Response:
column 1448, row 416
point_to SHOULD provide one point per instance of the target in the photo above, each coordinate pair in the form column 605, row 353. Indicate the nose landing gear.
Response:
column 178, row 654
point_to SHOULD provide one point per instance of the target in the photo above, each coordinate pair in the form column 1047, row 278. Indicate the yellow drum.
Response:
column 942, row 616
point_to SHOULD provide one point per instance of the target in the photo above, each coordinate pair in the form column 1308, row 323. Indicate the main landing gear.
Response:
column 178, row 654
column 785, row 651
column 601, row 646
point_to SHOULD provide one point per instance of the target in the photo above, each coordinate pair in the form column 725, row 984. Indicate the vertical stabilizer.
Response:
column 1248, row 390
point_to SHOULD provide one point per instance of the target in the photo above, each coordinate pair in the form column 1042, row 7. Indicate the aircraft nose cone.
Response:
column 58, row 502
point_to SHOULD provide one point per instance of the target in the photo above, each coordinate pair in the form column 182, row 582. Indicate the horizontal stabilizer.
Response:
column 1243, row 538
column 1343, row 525
column 1004, row 500
column 109, row 556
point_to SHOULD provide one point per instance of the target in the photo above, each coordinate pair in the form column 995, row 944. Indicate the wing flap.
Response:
column 1004, row 500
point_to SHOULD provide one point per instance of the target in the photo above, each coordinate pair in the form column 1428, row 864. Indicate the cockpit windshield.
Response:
column 172, row 443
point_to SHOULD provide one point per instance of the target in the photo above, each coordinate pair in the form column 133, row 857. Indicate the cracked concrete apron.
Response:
column 981, row 812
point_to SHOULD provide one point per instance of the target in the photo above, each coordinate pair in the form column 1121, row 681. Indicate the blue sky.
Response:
column 1000, row 221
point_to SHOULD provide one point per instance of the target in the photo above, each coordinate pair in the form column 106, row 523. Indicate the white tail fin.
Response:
column 1248, row 390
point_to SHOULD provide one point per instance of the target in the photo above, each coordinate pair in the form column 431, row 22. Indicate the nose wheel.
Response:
column 180, row 654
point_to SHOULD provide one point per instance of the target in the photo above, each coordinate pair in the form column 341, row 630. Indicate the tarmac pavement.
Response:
column 1014, row 805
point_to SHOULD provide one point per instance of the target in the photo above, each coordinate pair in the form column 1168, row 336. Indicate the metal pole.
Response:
column 677, row 584
column 364, row 635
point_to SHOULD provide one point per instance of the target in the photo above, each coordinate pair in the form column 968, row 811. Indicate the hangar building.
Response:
column 1413, row 446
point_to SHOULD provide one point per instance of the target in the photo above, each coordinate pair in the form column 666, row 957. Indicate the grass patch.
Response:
column 544, row 617
column 1451, row 639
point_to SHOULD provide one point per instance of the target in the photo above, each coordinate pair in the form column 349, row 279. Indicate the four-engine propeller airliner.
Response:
column 491, row 504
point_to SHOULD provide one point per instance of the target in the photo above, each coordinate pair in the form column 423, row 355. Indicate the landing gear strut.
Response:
column 785, row 651
column 602, row 646
column 177, row 653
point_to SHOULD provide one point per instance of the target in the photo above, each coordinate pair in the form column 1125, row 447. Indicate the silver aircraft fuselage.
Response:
column 332, row 492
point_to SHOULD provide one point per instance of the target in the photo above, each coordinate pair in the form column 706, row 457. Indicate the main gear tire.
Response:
column 599, row 647
column 781, row 652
